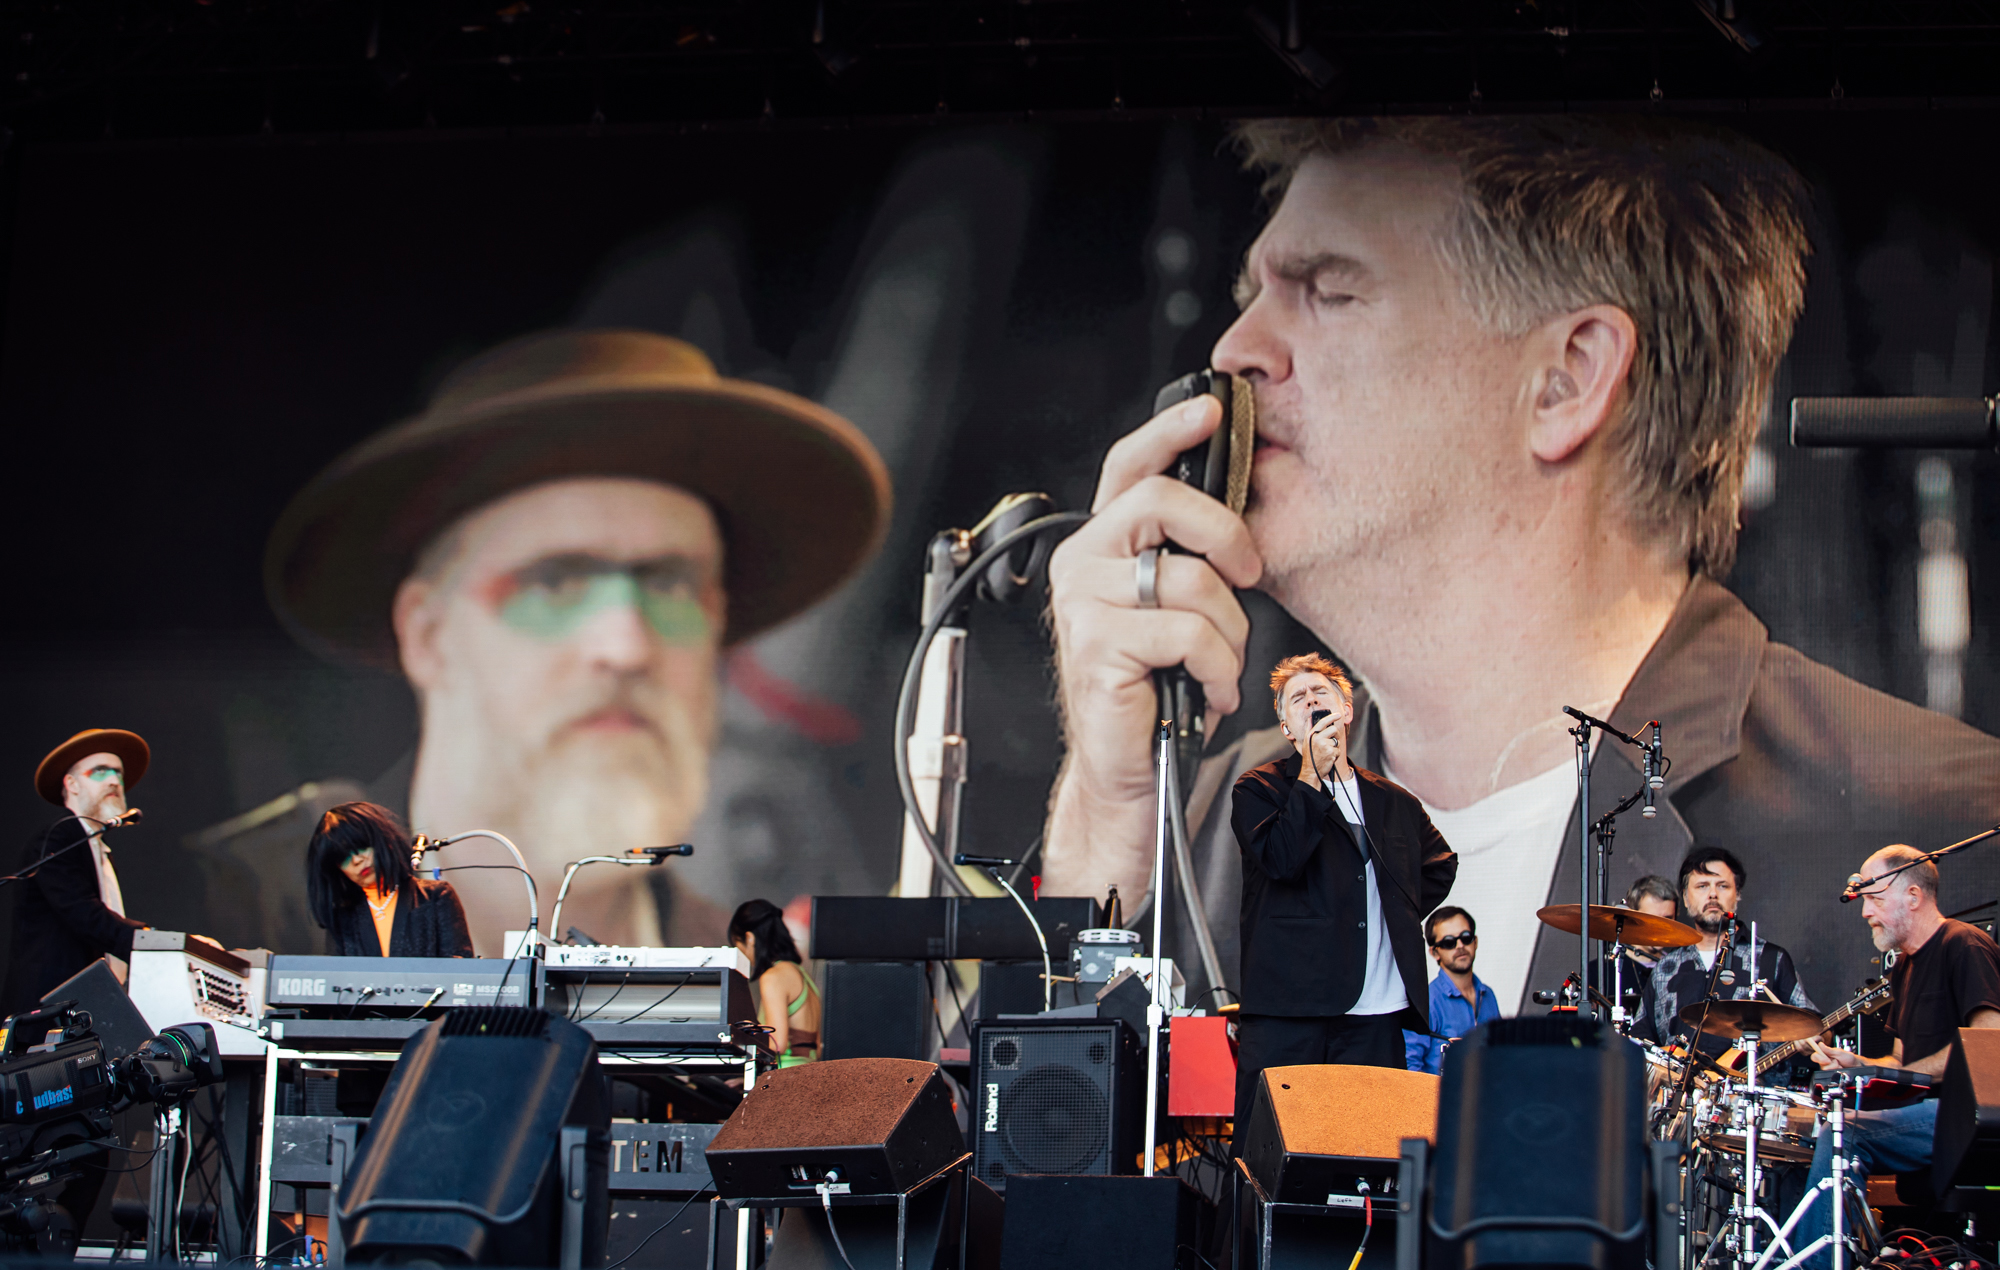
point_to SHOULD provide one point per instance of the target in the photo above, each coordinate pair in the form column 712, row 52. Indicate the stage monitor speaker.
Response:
column 113, row 1018
column 877, row 1009
column 1314, row 1130
column 489, row 1147
column 1542, row 1154
column 1055, row 1097
column 1966, row 1150
column 1105, row 1223
column 880, row 1125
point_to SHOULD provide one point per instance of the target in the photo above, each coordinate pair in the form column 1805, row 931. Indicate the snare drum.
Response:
column 1785, row 1129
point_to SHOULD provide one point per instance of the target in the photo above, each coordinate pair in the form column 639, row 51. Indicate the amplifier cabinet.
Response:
column 1053, row 1097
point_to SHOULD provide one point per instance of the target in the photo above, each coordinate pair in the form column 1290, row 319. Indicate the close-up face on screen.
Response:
column 851, row 625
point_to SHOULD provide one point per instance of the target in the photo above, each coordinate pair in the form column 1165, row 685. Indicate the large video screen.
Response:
column 196, row 335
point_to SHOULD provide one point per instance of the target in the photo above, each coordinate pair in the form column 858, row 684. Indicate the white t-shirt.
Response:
column 1508, row 846
column 1382, row 990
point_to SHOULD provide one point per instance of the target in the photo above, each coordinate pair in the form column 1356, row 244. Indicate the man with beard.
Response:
column 1947, row 977
column 1508, row 374
column 555, row 554
column 68, row 907
column 1711, row 881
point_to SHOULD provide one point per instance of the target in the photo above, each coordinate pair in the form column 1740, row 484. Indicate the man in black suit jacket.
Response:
column 1339, row 868
column 68, row 911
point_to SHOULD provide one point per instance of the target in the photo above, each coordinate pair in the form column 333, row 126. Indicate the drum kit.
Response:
column 1748, row 1142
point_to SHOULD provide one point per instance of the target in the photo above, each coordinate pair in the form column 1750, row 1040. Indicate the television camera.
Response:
column 59, row 1089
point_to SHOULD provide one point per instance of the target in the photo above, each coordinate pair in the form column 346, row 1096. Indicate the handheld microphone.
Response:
column 660, row 854
column 1312, row 724
column 984, row 861
column 1220, row 468
column 130, row 816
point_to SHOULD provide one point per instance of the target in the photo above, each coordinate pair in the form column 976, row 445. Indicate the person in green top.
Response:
column 787, row 998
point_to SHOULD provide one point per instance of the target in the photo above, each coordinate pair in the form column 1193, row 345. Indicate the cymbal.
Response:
column 1774, row 1024
column 1625, row 925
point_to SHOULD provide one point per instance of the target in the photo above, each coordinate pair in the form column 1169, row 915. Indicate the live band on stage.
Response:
column 1345, row 879
column 1517, row 931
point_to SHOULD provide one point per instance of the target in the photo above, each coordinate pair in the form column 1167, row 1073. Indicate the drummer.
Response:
column 1947, row 977
column 1654, row 896
column 1711, row 883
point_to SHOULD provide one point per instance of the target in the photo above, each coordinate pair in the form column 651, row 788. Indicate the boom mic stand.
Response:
column 638, row 857
column 1584, row 724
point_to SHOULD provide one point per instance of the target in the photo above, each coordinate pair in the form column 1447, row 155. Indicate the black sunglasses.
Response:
column 1463, row 939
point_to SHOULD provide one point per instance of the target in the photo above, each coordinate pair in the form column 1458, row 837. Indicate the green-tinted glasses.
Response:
column 552, row 598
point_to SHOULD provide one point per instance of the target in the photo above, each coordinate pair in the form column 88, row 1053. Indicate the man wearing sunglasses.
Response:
column 68, row 908
column 1459, row 1000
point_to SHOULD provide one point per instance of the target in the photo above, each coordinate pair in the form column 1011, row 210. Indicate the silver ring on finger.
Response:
column 1146, row 572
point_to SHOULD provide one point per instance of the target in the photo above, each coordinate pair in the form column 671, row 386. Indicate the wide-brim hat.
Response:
column 129, row 746
column 801, row 496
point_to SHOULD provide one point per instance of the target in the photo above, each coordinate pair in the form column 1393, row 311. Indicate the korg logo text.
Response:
column 993, row 1108
column 302, row 987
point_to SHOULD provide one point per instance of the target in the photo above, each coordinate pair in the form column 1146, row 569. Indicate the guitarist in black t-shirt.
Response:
column 1947, row 976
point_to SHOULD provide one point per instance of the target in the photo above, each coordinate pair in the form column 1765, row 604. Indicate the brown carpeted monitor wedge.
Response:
column 878, row 1126
column 1313, row 1129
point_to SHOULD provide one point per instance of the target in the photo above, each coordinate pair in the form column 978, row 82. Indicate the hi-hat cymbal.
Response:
column 1774, row 1024
column 1623, row 925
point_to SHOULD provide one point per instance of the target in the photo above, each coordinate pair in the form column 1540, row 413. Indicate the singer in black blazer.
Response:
column 1305, row 920
column 60, row 922
column 1305, row 898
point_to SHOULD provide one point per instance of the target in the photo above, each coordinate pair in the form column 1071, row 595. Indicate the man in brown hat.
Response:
column 68, row 910
column 555, row 554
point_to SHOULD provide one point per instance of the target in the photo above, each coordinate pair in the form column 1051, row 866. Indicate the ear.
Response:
column 417, row 619
column 1581, row 361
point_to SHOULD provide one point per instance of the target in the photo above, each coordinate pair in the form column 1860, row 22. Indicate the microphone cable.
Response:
column 906, row 696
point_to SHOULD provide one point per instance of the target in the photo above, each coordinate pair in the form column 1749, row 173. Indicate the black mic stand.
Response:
column 1582, row 730
column 116, row 822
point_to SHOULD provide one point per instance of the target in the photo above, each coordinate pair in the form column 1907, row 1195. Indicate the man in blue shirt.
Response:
column 1459, row 1001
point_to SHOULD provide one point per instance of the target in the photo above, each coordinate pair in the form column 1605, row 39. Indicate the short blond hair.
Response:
column 1306, row 663
column 1695, row 233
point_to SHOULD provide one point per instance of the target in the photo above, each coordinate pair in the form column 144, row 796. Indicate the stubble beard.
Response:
column 1327, row 533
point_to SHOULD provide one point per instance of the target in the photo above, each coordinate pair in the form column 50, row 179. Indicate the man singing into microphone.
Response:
column 1339, row 868
column 68, row 911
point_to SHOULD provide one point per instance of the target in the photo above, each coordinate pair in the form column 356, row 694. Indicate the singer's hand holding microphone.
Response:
column 1325, row 745
column 1108, row 643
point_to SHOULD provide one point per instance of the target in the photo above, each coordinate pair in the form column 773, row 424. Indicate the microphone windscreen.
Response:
column 1924, row 423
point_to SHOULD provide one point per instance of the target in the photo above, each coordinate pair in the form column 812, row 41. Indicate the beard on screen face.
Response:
column 625, row 766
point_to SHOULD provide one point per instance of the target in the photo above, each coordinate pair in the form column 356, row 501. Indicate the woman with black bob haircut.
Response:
column 787, row 998
column 368, row 899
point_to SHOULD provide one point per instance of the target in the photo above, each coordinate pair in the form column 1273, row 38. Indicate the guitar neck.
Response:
column 1772, row 1058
